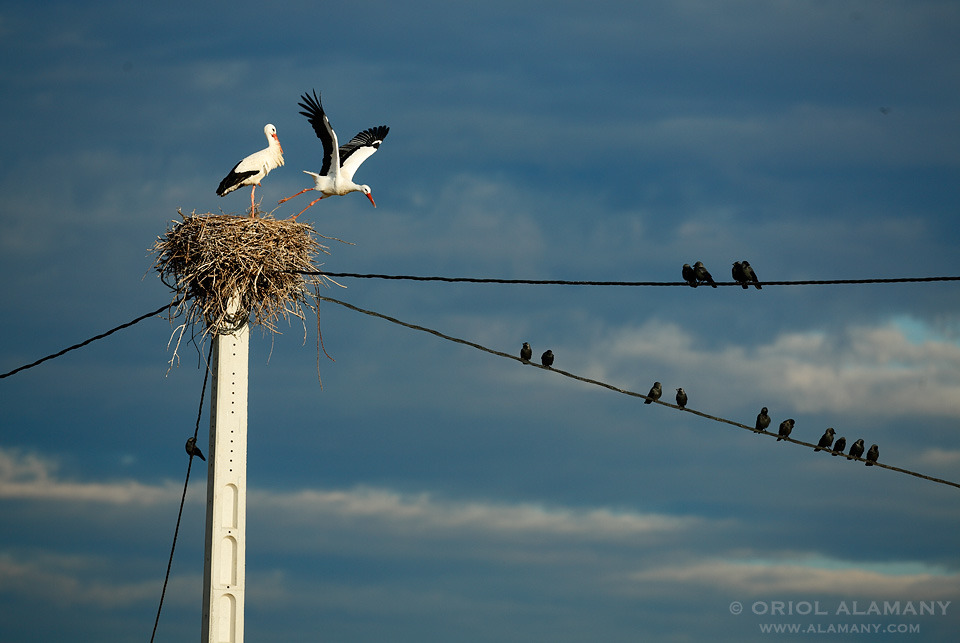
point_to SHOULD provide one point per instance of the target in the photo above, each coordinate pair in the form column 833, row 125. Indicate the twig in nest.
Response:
column 218, row 261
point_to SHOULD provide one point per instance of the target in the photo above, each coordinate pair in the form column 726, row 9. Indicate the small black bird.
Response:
column 872, row 455
column 702, row 274
column 839, row 446
column 738, row 274
column 547, row 359
column 654, row 394
column 193, row 449
column 750, row 275
column 826, row 439
column 785, row 428
column 688, row 275
column 681, row 398
column 526, row 352
column 856, row 450
column 763, row 420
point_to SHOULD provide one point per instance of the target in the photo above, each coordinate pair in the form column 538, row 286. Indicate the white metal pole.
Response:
column 224, row 577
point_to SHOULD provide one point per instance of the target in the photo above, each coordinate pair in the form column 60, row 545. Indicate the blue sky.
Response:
column 433, row 492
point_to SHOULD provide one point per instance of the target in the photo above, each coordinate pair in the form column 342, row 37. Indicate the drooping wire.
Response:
column 183, row 498
column 92, row 339
column 587, row 380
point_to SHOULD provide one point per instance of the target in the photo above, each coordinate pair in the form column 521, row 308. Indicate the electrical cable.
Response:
column 183, row 498
column 562, row 282
column 88, row 341
column 620, row 390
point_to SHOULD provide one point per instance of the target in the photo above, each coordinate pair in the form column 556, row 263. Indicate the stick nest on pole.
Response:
column 210, row 259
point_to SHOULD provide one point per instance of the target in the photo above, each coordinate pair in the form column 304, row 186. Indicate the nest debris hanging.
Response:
column 210, row 259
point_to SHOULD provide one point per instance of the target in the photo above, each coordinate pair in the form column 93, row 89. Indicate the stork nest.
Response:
column 223, row 269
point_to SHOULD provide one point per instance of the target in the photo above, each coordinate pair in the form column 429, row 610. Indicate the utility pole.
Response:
column 224, row 576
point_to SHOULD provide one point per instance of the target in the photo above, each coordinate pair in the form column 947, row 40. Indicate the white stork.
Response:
column 339, row 163
column 254, row 168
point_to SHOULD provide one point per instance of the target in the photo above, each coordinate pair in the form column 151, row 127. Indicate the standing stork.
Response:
column 254, row 168
column 339, row 163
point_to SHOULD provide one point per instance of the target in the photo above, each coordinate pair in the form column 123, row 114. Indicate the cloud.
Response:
column 875, row 370
column 32, row 477
column 426, row 514
column 77, row 580
column 27, row 476
column 774, row 580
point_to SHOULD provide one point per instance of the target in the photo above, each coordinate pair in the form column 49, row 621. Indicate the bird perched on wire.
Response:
column 763, row 420
column 737, row 273
column 335, row 177
column 826, row 439
column 547, row 358
column 839, row 446
column 193, row 449
column 702, row 274
column 655, row 392
column 873, row 454
column 526, row 352
column 688, row 275
column 749, row 275
column 681, row 398
column 785, row 428
column 254, row 168
column 856, row 450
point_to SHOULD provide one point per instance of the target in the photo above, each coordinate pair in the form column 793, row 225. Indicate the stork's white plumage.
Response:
column 254, row 168
column 339, row 163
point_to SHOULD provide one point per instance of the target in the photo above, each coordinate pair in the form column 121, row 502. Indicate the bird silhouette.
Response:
column 839, row 446
column 702, row 274
column 688, row 275
column 872, row 455
column 193, row 449
column 750, row 275
column 785, row 428
column 681, row 398
column 856, row 450
column 738, row 274
column 526, row 352
column 654, row 394
column 547, row 359
column 826, row 439
column 763, row 420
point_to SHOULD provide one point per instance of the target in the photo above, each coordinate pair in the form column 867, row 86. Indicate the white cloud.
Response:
column 27, row 476
column 872, row 370
column 425, row 513
column 775, row 580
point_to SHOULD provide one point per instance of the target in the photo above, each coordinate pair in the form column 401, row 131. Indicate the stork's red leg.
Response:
column 297, row 194
column 294, row 217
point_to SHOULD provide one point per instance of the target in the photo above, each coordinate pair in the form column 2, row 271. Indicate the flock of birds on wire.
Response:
column 335, row 178
column 742, row 272
column 340, row 162
column 826, row 442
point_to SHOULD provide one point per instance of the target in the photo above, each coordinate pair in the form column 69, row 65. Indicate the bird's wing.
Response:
column 313, row 110
column 359, row 148
column 235, row 178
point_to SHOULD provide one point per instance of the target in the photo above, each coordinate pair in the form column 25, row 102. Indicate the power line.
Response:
column 492, row 280
column 587, row 380
column 564, row 282
column 92, row 339
column 183, row 498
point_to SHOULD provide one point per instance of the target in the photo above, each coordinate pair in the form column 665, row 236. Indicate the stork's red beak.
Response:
column 370, row 196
